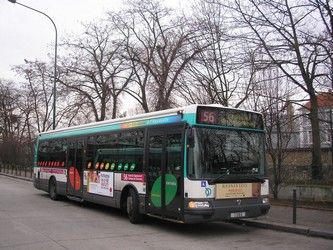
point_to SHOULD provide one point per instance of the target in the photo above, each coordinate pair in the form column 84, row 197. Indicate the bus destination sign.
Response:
column 229, row 117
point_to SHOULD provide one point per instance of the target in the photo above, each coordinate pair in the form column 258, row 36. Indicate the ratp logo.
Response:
column 208, row 191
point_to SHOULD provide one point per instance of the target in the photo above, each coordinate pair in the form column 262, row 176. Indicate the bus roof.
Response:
column 184, row 114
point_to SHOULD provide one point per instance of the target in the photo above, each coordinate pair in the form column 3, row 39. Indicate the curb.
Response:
column 303, row 206
column 17, row 177
column 296, row 229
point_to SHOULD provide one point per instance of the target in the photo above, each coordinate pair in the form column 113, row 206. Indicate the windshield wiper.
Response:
column 236, row 179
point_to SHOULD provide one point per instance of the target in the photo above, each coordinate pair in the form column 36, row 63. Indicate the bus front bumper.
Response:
column 226, row 210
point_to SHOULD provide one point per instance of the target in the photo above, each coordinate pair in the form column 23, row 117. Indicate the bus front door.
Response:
column 75, row 151
column 164, row 173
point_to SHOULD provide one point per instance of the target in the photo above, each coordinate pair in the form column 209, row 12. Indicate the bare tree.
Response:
column 37, row 97
column 272, row 98
column 8, row 106
column 325, row 10
column 158, row 46
column 223, row 71
column 39, row 94
column 95, row 71
column 282, row 28
column 10, row 123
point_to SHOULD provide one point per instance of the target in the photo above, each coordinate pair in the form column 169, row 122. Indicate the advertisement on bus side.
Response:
column 100, row 183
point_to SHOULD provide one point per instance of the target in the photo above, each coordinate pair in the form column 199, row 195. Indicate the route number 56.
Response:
column 208, row 117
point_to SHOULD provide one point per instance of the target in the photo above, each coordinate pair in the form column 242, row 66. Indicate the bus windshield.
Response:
column 225, row 154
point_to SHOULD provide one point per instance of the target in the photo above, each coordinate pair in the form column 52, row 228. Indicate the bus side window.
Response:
column 131, row 148
column 43, row 152
column 123, row 151
column 90, row 152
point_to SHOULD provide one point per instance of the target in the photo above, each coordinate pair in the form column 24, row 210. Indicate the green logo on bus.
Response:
column 171, row 187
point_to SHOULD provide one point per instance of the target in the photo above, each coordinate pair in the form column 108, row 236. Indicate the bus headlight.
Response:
column 198, row 204
column 265, row 200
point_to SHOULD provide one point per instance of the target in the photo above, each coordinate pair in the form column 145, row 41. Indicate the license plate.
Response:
column 237, row 215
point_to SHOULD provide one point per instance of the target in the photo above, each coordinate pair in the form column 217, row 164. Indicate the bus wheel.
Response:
column 132, row 207
column 53, row 189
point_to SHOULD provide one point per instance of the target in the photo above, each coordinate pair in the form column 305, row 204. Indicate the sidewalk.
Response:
column 317, row 222
column 16, row 176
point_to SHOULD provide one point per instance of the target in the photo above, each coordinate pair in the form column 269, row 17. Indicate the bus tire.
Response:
column 53, row 189
column 132, row 207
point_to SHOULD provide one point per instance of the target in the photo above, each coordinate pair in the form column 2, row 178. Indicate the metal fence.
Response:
column 16, row 170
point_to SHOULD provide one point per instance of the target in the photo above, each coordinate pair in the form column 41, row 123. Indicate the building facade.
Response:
column 294, row 140
column 325, row 109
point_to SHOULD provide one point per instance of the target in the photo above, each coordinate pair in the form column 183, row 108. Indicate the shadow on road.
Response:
column 209, row 229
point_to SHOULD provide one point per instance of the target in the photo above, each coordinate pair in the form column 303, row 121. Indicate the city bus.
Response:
column 189, row 164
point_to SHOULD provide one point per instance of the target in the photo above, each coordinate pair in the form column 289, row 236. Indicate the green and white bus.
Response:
column 190, row 164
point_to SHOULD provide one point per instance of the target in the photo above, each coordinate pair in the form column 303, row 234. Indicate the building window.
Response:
column 309, row 137
column 326, row 135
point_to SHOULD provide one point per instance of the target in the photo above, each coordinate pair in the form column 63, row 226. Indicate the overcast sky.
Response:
column 26, row 34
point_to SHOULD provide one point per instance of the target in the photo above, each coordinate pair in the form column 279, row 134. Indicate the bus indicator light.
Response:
column 113, row 165
column 101, row 166
column 120, row 166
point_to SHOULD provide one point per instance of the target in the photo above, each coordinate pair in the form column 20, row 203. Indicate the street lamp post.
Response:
column 55, row 60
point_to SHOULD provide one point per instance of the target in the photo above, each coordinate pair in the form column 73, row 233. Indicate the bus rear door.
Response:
column 75, row 149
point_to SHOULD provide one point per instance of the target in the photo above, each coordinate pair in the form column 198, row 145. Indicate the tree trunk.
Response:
column 316, row 164
column 114, row 107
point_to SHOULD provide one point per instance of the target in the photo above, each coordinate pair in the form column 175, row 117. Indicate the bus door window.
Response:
column 155, row 155
column 79, row 155
column 74, row 165
column 174, row 163
column 174, row 157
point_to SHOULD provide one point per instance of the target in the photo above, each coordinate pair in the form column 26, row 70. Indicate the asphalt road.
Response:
column 30, row 220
